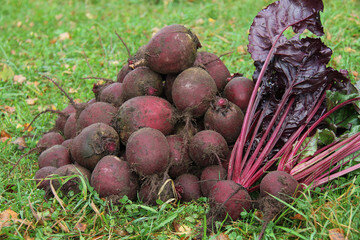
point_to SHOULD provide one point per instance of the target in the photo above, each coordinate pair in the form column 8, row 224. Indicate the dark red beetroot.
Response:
column 179, row 157
column 156, row 188
column 48, row 140
column 210, row 176
column 172, row 49
column 113, row 94
column 40, row 177
column 67, row 143
column 144, row 111
column 70, row 127
column 225, row 118
column 74, row 183
column 193, row 90
column 99, row 112
column 148, row 151
column 281, row 185
column 123, row 72
column 61, row 120
column 215, row 67
column 169, row 81
column 207, row 147
column 142, row 81
column 93, row 143
column 239, row 91
column 188, row 186
column 112, row 176
column 56, row 156
column 228, row 197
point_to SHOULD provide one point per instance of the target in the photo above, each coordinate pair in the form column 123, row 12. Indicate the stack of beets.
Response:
column 163, row 131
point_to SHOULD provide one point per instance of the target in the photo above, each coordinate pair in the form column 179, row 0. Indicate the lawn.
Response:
column 69, row 40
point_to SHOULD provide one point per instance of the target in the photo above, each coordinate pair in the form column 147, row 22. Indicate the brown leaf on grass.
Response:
column 59, row 16
column 20, row 141
column 4, row 136
column 181, row 229
column 8, row 109
column 355, row 73
column 31, row 101
column 9, row 217
column 28, row 127
column 349, row 50
column 241, row 49
column 81, row 227
column 298, row 217
column 121, row 232
column 64, row 36
column 337, row 234
column 19, row 79
column 221, row 236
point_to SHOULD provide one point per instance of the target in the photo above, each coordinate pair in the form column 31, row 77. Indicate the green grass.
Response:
column 30, row 45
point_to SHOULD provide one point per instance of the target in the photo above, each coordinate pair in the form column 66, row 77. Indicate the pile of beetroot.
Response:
column 177, row 126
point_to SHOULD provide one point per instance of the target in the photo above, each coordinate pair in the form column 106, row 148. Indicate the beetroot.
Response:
column 169, row 81
column 281, row 185
column 179, row 157
column 207, row 147
column 112, row 176
column 148, row 151
column 214, row 66
column 61, row 120
column 210, row 176
column 193, row 90
column 156, row 187
column 70, row 127
column 55, row 156
column 48, row 140
column 172, row 49
column 93, row 143
column 113, row 94
column 123, row 72
column 142, row 81
column 74, row 183
column 144, row 111
column 228, row 197
column 188, row 186
column 67, row 143
column 225, row 118
column 239, row 91
column 40, row 177
column 99, row 112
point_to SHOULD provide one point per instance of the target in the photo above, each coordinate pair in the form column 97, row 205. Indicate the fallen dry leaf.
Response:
column 59, row 16
column 31, row 101
column 28, row 127
column 221, row 236
column 9, row 109
column 337, row 234
column 90, row 16
column 8, row 217
column 355, row 73
column 181, row 229
column 241, row 49
column 20, row 141
column 298, row 217
column 81, row 227
column 19, row 79
column 4, row 134
column 18, row 24
column 64, row 36
column 121, row 232
column 349, row 50
column 211, row 20
column 71, row 90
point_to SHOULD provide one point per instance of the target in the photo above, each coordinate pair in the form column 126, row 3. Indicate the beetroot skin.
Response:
column 56, row 156
column 188, row 186
column 144, row 111
column 123, row 72
column 193, row 90
column 169, row 81
column 48, row 140
column 113, row 94
column 99, row 112
column 238, row 91
column 93, row 143
column 229, row 197
column 179, row 157
column 40, row 177
column 74, row 183
column 206, row 146
column 278, row 184
column 61, row 120
column 210, row 176
column 215, row 67
column 172, row 49
column 142, row 81
column 70, row 127
column 112, row 176
column 148, row 151
column 225, row 118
